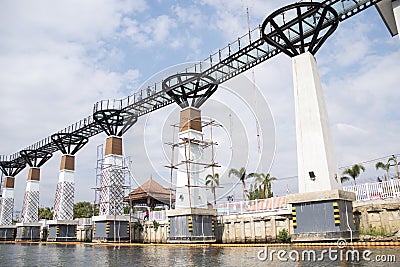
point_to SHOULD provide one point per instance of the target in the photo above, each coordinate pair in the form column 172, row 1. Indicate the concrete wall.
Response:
column 265, row 226
column 150, row 234
column 244, row 228
column 381, row 214
column 252, row 228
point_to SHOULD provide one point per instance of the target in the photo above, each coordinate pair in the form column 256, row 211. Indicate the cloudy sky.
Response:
column 57, row 58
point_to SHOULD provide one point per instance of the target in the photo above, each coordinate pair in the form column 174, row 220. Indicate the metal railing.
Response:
column 253, row 206
column 158, row 215
column 379, row 190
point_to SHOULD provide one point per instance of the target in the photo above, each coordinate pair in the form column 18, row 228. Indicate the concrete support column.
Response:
column 396, row 12
column 7, row 202
column 390, row 14
column 65, row 192
column 242, row 231
column 263, row 230
column 317, row 166
column 112, row 191
column 252, row 230
column 273, row 228
column 232, row 232
column 31, row 199
column 190, row 184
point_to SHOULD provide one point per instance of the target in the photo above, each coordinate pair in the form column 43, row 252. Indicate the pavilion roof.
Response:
column 150, row 191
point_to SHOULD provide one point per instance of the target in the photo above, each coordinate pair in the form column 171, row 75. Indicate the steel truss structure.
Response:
column 69, row 143
column 247, row 51
column 184, row 86
column 311, row 22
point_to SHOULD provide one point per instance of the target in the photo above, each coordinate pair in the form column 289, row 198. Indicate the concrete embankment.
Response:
column 378, row 217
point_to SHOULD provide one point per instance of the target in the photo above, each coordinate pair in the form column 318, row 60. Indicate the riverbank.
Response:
column 296, row 245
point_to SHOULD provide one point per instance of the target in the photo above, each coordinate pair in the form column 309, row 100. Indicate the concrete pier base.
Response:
column 191, row 225
column 28, row 231
column 322, row 216
column 8, row 232
column 62, row 230
column 110, row 228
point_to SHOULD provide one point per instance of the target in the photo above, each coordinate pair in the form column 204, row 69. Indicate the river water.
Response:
column 99, row 255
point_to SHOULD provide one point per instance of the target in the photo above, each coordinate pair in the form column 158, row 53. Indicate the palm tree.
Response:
column 265, row 181
column 213, row 181
column 344, row 179
column 352, row 172
column 241, row 174
column 383, row 166
column 395, row 164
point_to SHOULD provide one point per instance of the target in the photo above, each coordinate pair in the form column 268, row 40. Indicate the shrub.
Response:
column 155, row 225
column 283, row 236
column 138, row 225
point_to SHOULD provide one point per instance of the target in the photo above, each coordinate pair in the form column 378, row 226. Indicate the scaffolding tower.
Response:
column 188, row 161
column 112, row 180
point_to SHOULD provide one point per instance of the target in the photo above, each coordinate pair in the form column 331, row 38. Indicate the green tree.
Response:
column 265, row 181
column 213, row 182
column 45, row 213
column 241, row 174
column 255, row 192
column 83, row 210
column 385, row 167
column 352, row 172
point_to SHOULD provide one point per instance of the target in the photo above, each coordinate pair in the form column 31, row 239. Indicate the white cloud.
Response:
column 155, row 31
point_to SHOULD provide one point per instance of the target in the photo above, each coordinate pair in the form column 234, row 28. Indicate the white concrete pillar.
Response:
column 390, row 14
column 316, row 160
column 112, row 192
column 30, row 207
column 190, row 129
column 396, row 12
column 65, row 192
column 7, row 201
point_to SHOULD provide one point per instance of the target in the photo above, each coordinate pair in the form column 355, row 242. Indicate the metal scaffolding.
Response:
column 112, row 180
column 188, row 161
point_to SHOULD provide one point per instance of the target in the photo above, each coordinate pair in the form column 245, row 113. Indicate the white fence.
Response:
column 381, row 190
column 158, row 215
column 252, row 206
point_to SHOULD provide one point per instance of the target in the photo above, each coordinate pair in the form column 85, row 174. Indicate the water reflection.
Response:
column 98, row 255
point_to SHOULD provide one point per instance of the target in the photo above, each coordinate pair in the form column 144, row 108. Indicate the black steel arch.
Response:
column 183, row 87
column 69, row 143
column 35, row 158
column 114, row 122
column 313, row 23
column 11, row 168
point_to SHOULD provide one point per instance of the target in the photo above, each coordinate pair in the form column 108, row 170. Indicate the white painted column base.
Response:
column 317, row 166
column 65, row 192
column 30, row 207
column 7, row 206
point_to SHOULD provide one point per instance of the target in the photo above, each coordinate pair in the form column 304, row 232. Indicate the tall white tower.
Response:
column 190, row 182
